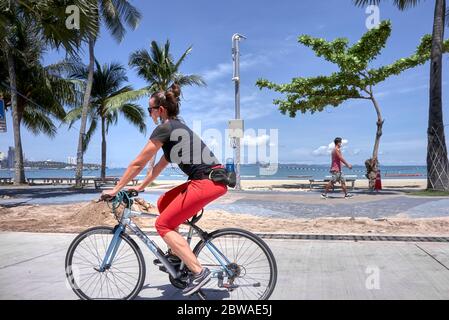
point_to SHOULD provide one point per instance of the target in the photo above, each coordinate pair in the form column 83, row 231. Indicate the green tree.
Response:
column 47, row 20
column 109, row 98
column 437, row 160
column 355, row 79
column 114, row 14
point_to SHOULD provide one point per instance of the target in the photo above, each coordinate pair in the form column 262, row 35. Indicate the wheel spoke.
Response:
column 117, row 281
column 253, row 262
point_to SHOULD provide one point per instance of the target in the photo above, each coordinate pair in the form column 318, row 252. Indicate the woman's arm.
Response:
column 152, row 174
column 136, row 166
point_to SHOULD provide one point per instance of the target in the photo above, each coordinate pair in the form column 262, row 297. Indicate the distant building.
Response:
column 71, row 160
column 2, row 160
column 10, row 158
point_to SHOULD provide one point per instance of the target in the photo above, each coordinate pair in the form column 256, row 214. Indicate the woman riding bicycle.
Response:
column 182, row 146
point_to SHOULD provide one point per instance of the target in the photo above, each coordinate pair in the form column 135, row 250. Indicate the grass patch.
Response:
column 429, row 193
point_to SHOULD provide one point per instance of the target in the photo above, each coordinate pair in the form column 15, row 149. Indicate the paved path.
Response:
column 32, row 267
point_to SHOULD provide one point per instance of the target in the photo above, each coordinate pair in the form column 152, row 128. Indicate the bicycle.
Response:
column 106, row 263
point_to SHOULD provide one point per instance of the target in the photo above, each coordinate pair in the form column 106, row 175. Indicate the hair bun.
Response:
column 176, row 89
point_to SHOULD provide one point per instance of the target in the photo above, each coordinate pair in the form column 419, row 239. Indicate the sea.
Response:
column 247, row 172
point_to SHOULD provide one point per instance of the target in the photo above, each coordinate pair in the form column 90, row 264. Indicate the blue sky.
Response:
column 272, row 52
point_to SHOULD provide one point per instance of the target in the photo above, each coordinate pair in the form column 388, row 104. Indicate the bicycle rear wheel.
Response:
column 123, row 279
column 251, row 260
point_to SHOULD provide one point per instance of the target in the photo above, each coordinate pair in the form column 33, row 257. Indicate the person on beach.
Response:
column 183, row 147
column 337, row 174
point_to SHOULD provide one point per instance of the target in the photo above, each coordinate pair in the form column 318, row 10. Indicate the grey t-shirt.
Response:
column 183, row 147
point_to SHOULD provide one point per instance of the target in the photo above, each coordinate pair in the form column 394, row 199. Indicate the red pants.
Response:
column 184, row 201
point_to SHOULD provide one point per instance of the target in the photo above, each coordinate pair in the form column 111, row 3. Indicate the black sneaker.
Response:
column 348, row 195
column 323, row 196
column 196, row 282
column 174, row 260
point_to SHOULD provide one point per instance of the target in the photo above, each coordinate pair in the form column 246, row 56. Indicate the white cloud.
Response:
column 225, row 69
column 221, row 70
column 290, row 37
column 255, row 140
column 216, row 104
column 326, row 150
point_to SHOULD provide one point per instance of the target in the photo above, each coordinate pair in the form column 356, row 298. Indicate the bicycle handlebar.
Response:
column 130, row 194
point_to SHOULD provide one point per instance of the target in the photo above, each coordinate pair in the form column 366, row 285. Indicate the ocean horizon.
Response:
column 247, row 172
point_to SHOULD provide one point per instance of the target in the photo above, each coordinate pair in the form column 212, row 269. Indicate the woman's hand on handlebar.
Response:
column 108, row 194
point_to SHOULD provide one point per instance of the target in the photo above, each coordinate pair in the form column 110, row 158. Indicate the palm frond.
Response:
column 38, row 122
column 73, row 115
column 89, row 134
column 135, row 115
column 189, row 80
column 128, row 12
column 184, row 55
column 115, row 12
column 400, row 4
column 116, row 101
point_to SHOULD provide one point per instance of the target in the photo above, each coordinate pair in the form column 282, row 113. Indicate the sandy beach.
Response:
column 75, row 217
column 304, row 185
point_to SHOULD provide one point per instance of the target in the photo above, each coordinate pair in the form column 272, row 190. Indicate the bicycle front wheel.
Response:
column 122, row 279
column 248, row 257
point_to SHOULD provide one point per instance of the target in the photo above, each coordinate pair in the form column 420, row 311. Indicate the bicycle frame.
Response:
column 126, row 221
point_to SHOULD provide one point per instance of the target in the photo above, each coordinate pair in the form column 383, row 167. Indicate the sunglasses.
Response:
column 150, row 108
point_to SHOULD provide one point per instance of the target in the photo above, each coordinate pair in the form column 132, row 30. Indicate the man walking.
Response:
column 337, row 175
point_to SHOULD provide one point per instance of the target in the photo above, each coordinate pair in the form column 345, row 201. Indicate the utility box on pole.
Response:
column 236, row 129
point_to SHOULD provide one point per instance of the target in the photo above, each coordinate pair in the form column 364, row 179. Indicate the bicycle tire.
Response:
column 125, row 239
column 234, row 232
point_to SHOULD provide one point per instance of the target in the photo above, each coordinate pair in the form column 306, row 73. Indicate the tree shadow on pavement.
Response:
column 44, row 192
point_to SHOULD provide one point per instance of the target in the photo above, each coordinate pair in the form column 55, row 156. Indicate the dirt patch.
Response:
column 58, row 218
column 78, row 217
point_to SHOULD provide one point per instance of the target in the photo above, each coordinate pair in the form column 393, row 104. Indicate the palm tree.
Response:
column 159, row 70
column 47, row 19
column 437, row 160
column 36, row 93
column 108, row 98
column 113, row 13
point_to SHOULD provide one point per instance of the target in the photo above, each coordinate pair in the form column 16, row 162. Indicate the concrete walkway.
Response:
column 32, row 267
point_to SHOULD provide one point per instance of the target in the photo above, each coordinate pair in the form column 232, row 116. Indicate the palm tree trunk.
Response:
column 374, row 160
column 90, row 78
column 103, row 148
column 437, row 161
column 19, row 172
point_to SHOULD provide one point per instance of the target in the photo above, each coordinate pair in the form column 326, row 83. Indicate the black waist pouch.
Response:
column 223, row 176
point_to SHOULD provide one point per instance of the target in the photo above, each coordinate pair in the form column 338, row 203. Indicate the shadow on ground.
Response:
column 13, row 196
column 169, row 292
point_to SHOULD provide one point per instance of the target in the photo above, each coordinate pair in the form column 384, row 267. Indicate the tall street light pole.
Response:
column 236, row 78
